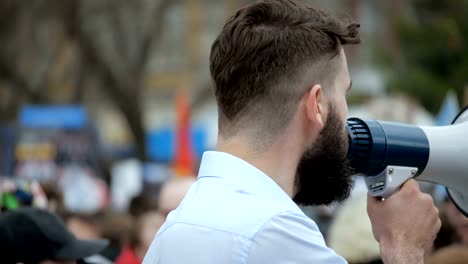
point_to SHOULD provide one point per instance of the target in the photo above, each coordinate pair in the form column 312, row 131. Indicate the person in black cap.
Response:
column 35, row 236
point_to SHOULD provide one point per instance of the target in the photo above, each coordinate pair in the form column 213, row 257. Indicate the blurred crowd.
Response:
column 128, row 234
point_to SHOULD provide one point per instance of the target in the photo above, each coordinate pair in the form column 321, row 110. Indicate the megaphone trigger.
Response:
column 389, row 181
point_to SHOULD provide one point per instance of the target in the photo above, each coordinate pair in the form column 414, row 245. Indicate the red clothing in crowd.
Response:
column 128, row 257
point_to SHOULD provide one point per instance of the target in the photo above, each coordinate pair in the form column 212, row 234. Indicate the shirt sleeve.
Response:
column 291, row 238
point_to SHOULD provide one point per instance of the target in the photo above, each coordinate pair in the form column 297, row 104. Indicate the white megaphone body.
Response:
column 388, row 154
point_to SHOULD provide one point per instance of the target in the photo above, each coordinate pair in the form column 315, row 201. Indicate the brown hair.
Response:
column 259, row 59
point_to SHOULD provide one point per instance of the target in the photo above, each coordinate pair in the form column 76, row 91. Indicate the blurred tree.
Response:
column 50, row 48
column 430, row 57
column 35, row 57
column 116, row 38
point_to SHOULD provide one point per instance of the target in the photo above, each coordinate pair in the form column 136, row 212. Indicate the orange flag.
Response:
column 184, row 155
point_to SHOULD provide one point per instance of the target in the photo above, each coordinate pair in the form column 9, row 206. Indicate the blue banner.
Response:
column 53, row 117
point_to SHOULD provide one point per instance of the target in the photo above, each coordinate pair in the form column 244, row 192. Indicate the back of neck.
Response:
column 278, row 161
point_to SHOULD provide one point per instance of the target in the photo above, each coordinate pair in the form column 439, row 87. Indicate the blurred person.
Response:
column 30, row 235
column 113, row 227
column 455, row 254
column 117, row 228
column 447, row 235
column 456, row 219
column 15, row 194
column 144, row 230
column 172, row 192
column 141, row 204
column 12, row 200
column 54, row 196
column 350, row 233
column 281, row 79
column 83, row 226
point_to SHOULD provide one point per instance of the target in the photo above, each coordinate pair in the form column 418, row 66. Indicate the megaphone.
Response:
column 388, row 154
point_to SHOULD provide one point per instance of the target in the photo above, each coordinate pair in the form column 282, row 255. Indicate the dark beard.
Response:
column 324, row 175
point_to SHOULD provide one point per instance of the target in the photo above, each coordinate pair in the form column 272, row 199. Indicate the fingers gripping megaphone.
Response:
column 388, row 154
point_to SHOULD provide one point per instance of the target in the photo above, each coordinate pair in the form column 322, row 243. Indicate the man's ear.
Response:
column 315, row 106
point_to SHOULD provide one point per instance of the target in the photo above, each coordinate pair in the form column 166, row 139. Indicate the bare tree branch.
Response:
column 97, row 30
column 18, row 84
column 80, row 86
column 120, row 41
column 10, row 104
column 47, row 52
column 116, row 84
column 28, row 49
column 155, row 31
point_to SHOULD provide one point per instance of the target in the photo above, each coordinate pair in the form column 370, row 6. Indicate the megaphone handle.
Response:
column 389, row 181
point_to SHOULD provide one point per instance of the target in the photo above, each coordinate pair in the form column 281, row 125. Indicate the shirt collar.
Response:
column 241, row 173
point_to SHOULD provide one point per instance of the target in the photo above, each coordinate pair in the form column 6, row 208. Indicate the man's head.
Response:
column 276, row 61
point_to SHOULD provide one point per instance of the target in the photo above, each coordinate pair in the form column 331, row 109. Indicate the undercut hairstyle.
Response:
column 261, row 59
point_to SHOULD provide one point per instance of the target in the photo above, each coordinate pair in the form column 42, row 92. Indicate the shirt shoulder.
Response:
column 227, row 207
column 291, row 237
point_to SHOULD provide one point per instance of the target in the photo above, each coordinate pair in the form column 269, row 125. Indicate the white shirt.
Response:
column 234, row 213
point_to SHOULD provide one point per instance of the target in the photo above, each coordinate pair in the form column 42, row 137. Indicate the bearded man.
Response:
column 281, row 78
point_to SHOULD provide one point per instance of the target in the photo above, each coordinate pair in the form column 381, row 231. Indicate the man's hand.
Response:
column 405, row 224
